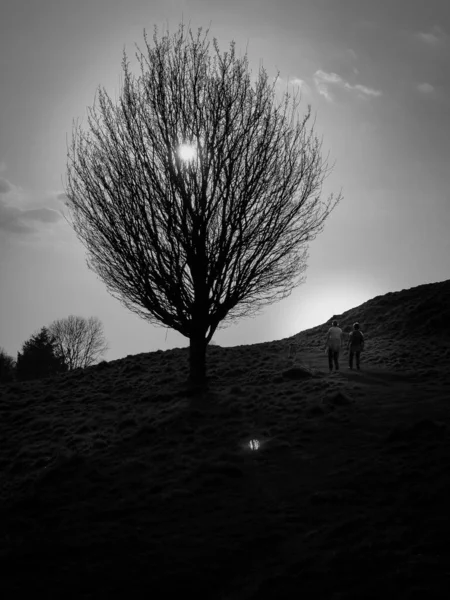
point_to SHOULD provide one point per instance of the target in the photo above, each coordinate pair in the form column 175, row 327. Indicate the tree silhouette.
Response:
column 7, row 367
column 78, row 341
column 196, row 194
column 38, row 359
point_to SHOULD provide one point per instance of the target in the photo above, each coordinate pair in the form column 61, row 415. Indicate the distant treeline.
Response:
column 65, row 345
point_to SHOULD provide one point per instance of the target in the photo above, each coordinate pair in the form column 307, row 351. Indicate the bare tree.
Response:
column 196, row 193
column 78, row 341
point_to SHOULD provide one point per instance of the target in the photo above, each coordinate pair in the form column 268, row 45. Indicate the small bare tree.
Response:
column 78, row 341
column 197, row 193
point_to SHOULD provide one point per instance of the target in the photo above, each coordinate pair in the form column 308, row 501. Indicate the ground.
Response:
column 115, row 483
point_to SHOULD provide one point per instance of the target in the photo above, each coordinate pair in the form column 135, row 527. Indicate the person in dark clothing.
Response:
column 355, row 345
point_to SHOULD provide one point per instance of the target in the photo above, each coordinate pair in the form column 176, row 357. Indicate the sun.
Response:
column 186, row 152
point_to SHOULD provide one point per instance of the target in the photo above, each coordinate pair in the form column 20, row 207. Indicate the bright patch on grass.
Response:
column 253, row 444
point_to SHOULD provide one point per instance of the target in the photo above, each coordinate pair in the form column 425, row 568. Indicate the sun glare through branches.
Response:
column 187, row 152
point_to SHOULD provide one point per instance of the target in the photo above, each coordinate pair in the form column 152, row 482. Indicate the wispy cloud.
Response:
column 364, row 89
column 425, row 88
column 324, row 81
column 17, row 218
column 433, row 37
column 291, row 85
column 283, row 82
column 301, row 83
column 351, row 53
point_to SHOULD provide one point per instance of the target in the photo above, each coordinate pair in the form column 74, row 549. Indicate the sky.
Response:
column 377, row 76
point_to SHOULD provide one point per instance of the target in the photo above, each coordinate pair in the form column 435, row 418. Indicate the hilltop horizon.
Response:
column 416, row 298
column 358, row 314
column 393, row 324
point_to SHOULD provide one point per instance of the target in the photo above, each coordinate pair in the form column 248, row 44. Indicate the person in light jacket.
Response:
column 334, row 342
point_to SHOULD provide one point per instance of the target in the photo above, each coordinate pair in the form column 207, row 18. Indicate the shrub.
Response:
column 38, row 359
column 7, row 367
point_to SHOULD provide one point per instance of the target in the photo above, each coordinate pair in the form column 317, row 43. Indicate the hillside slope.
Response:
column 403, row 330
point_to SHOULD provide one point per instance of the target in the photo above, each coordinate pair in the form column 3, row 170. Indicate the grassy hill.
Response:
column 404, row 330
column 280, row 481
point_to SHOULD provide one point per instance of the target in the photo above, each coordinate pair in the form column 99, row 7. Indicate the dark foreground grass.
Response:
column 116, row 483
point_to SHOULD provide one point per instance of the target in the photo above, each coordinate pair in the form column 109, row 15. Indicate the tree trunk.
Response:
column 200, row 318
column 197, row 359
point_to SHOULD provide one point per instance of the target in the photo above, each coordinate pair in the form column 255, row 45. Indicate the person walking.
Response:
column 355, row 346
column 333, row 342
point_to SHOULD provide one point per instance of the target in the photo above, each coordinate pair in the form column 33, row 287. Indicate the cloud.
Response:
column 292, row 86
column 324, row 81
column 352, row 57
column 5, row 186
column 365, row 90
column 425, row 88
column 44, row 215
column 16, row 217
column 433, row 37
column 10, row 219
column 323, row 91
column 2, row 167
column 328, row 77
column 301, row 83
column 429, row 38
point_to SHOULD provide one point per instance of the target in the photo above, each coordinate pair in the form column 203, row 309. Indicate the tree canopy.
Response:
column 196, row 194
